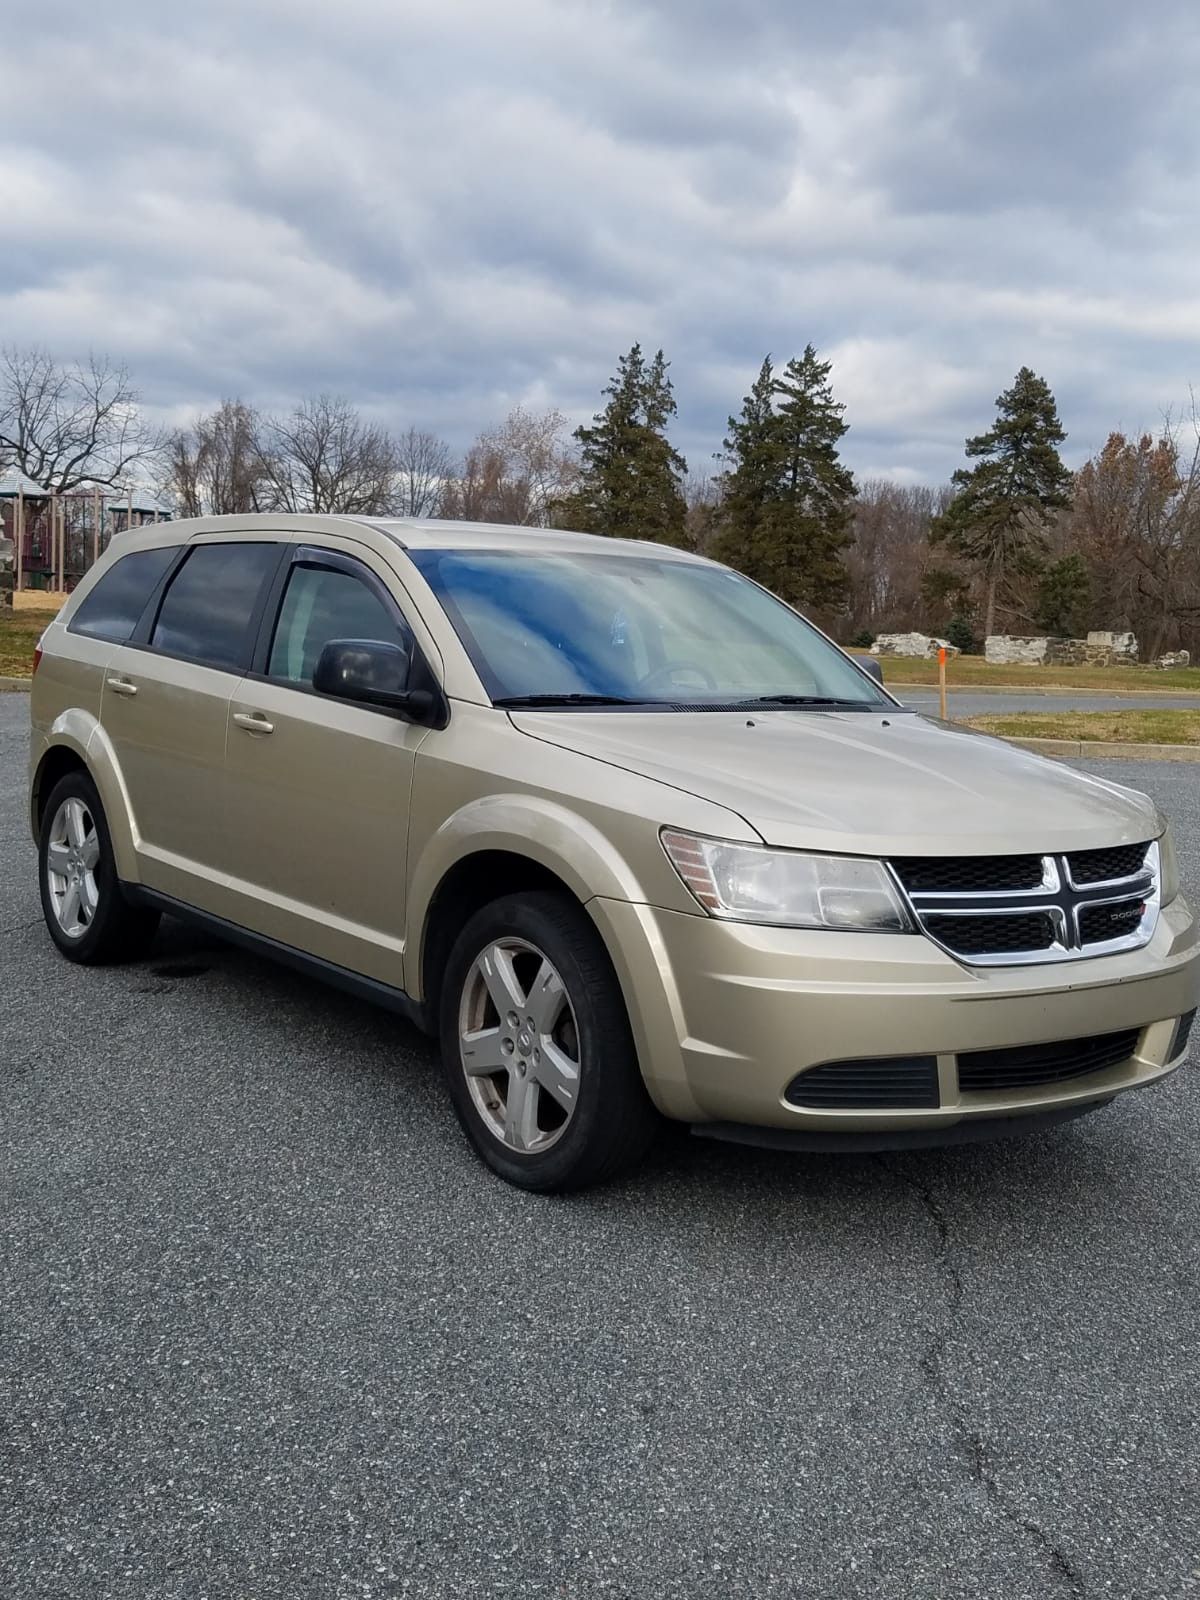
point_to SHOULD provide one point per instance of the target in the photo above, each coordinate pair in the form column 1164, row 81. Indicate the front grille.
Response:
column 880, row 1083
column 1012, row 933
column 1098, row 923
column 1028, row 1066
column 1101, row 866
column 968, row 874
column 1004, row 910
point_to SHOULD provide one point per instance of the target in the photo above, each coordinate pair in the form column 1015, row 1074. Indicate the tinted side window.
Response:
column 112, row 609
column 323, row 604
column 208, row 606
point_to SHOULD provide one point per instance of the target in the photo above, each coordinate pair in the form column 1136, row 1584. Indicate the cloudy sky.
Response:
column 443, row 207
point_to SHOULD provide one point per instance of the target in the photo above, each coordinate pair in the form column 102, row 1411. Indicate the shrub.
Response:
column 863, row 639
column 960, row 634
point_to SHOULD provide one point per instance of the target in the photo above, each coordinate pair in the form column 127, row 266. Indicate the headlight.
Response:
column 788, row 888
column 1168, row 868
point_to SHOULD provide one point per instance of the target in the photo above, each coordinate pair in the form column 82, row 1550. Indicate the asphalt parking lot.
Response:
column 267, row 1329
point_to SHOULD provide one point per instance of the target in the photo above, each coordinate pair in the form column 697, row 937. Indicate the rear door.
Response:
column 165, row 708
column 318, row 789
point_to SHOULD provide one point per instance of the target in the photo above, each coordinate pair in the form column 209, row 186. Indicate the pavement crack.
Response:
column 19, row 927
column 932, row 1365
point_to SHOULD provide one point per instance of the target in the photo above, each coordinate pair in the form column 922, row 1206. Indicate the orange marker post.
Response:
column 942, row 678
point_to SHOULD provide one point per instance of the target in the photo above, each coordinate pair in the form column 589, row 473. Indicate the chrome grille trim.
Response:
column 1059, row 898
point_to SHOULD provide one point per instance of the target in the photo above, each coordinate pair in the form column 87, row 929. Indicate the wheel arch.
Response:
column 495, row 847
column 77, row 742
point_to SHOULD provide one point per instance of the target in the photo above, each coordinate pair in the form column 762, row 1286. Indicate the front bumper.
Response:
column 725, row 1015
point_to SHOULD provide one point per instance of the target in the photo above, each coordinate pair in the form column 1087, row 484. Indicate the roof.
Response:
column 430, row 533
column 13, row 483
column 434, row 533
column 143, row 500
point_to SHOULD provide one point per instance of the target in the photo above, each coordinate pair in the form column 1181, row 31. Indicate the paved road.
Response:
column 267, row 1330
column 962, row 703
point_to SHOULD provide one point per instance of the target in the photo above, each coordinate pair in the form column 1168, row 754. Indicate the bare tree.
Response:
column 219, row 465
column 326, row 457
column 702, row 494
column 1136, row 521
column 518, row 472
column 68, row 425
column 424, row 466
column 888, row 561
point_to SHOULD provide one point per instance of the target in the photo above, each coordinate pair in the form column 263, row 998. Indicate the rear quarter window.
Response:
column 114, row 607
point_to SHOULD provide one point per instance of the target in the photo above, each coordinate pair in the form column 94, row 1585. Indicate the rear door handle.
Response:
column 253, row 722
column 121, row 686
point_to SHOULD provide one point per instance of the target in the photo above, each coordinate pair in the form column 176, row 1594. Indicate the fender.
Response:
column 541, row 830
column 604, row 882
column 80, row 732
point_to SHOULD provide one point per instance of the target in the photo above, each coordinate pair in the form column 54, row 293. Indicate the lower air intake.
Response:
column 878, row 1083
column 1028, row 1066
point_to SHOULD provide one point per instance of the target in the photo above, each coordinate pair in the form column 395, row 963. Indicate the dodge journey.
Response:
column 624, row 831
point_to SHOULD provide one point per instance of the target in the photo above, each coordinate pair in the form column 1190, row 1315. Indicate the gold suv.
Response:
column 622, row 829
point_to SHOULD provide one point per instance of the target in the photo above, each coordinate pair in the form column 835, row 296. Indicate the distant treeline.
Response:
column 1014, row 543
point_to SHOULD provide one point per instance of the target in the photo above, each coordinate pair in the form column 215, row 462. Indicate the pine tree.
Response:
column 631, row 478
column 786, row 496
column 1064, row 593
column 998, row 519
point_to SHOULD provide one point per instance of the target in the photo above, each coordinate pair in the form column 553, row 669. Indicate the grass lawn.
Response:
column 19, row 632
column 966, row 672
column 1110, row 727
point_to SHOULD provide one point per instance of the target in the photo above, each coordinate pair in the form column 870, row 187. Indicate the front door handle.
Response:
column 253, row 722
column 121, row 686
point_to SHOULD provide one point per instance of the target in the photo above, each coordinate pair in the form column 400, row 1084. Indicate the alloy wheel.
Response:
column 72, row 862
column 519, row 1045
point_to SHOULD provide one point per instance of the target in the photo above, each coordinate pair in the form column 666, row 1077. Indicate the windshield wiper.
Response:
column 531, row 700
column 800, row 700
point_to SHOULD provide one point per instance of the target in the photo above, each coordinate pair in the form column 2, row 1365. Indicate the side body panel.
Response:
column 317, row 815
column 168, row 742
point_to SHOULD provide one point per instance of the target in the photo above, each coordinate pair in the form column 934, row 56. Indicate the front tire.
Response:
column 86, row 911
column 536, row 1047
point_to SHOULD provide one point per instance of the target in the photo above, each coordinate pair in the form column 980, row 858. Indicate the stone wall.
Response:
column 7, row 560
column 1005, row 650
column 911, row 644
column 1097, row 650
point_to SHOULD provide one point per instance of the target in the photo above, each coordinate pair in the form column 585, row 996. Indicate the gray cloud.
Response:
column 443, row 207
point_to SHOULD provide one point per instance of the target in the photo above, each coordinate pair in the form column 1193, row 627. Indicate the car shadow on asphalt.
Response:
column 1087, row 1159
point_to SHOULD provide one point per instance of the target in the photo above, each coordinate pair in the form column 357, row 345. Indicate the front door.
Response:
column 318, row 789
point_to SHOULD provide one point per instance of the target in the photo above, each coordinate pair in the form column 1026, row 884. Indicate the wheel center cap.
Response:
column 524, row 1043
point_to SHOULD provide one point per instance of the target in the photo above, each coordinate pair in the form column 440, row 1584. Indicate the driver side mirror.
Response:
column 872, row 666
column 370, row 672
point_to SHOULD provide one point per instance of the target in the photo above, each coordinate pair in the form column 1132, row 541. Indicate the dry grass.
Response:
column 38, row 600
column 1108, row 727
column 19, row 632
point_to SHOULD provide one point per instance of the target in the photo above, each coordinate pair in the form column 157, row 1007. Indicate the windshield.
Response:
column 601, row 629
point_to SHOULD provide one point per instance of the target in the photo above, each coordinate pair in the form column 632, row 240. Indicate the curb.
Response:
column 1115, row 751
column 15, row 685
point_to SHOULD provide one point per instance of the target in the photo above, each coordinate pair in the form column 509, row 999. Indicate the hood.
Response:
column 862, row 783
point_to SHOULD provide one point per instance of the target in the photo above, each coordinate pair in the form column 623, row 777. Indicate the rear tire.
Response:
column 536, row 1047
column 86, row 912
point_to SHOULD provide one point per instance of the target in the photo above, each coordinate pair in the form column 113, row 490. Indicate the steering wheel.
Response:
column 668, row 670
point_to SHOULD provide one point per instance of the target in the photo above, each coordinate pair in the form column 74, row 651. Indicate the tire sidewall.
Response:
column 563, row 933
